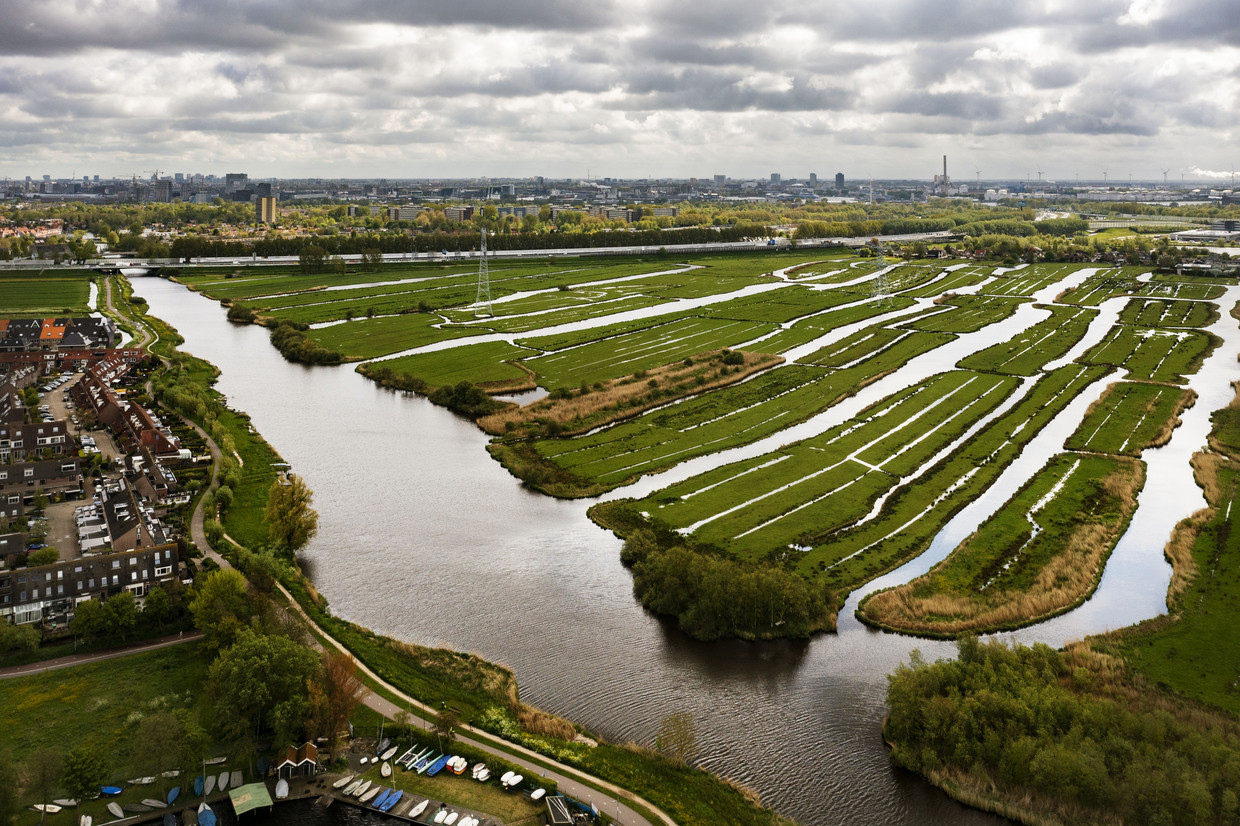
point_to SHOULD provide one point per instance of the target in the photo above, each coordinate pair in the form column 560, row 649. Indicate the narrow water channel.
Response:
column 424, row 537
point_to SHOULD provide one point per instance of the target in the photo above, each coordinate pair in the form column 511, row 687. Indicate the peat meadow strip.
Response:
column 734, row 366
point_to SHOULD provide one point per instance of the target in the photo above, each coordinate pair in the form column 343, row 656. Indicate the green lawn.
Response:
column 45, row 292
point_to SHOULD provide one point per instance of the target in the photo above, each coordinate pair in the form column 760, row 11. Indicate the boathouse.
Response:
column 303, row 761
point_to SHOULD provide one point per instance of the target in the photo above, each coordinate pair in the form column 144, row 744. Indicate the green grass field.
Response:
column 968, row 313
column 1030, row 350
column 45, row 292
column 1129, row 418
column 481, row 362
column 1153, row 355
column 1157, row 312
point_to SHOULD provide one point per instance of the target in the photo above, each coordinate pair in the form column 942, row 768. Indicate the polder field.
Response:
column 815, row 412
column 50, row 292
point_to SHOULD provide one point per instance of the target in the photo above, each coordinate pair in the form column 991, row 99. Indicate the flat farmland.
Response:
column 1029, row 351
column 1157, row 312
column 1130, row 417
column 1026, row 282
column 372, row 337
column 477, row 363
column 1153, row 355
column 969, row 314
column 46, row 292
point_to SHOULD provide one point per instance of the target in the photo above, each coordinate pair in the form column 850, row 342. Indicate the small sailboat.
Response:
column 391, row 801
column 198, row 785
column 483, row 776
column 440, row 815
column 135, row 808
column 352, row 787
column 85, row 820
column 538, row 794
column 386, row 769
column 387, row 741
column 479, row 767
column 173, row 793
column 206, row 817
column 418, row 809
column 215, row 761
column 361, row 790
column 505, row 777
column 153, row 803
column 49, row 808
column 116, row 810
column 171, row 773
column 222, row 783
column 142, row 781
column 342, row 782
column 374, row 790
column 111, row 791
column 387, row 755
column 281, row 789
column 382, row 798
column 65, row 802
column 237, row 779
column 211, row 781
column 450, row 819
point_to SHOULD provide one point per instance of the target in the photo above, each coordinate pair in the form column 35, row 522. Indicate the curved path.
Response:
column 570, row 780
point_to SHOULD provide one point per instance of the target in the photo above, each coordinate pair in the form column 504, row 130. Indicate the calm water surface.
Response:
column 424, row 537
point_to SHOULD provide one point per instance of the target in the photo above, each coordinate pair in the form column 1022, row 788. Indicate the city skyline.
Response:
column 636, row 90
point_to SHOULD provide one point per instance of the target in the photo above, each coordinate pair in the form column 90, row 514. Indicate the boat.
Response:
column 364, row 760
column 85, row 820
column 65, row 802
column 391, row 801
column 198, row 785
column 427, row 762
column 206, row 817
column 405, row 756
column 515, row 781
column 210, row 784
column 460, row 765
column 440, row 815
column 49, row 808
column 418, row 809
column 387, row 741
column 538, row 794
column 352, row 787
column 281, row 789
column 386, row 769
column 135, row 808
column 505, row 777
column 171, row 773
column 479, row 767
column 374, row 790
column 483, row 776
column 142, row 781
column 450, row 819
column 153, row 803
column 237, row 779
column 387, row 755
column 382, row 798
column 173, row 793
column 437, row 766
column 222, row 783
column 342, row 782
column 215, row 761
column 361, row 790
column 116, row 810
column 417, row 757
column 111, row 790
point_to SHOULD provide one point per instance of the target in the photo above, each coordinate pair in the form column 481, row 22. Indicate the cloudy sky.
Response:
column 628, row 88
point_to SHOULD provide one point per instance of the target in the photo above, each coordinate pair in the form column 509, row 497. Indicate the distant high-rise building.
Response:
column 179, row 177
column 263, row 190
column 839, row 180
column 265, row 210
column 235, row 180
column 776, row 178
column 813, row 179
column 720, row 180
column 162, row 192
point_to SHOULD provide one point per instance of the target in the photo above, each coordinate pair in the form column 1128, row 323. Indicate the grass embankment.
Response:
column 1039, row 555
column 567, row 413
column 1153, row 355
column 1131, row 416
column 1032, row 349
column 970, row 314
column 54, row 292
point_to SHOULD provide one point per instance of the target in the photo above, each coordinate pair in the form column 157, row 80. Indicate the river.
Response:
column 424, row 537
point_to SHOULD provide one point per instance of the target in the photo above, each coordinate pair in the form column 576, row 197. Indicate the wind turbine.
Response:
column 979, row 178
column 1165, row 171
column 1104, row 177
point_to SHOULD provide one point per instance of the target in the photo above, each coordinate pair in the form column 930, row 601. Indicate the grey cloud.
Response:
column 1054, row 76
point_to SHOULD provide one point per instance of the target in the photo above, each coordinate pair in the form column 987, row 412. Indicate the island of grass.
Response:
column 1039, row 555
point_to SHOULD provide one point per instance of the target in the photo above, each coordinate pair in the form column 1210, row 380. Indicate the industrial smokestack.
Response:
column 944, row 167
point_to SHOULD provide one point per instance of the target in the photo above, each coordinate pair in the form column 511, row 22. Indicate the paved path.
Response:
column 97, row 656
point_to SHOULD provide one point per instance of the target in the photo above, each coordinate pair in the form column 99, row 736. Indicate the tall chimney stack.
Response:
column 944, row 167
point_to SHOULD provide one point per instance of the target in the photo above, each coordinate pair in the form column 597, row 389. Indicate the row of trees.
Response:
column 1057, row 738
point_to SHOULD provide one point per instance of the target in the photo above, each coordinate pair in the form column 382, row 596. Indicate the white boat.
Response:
column 515, row 781
column 418, row 809
column 538, row 794
column 65, row 802
column 210, row 787
column 171, row 773
column 352, row 787
column 237, row 779
column 483, row 776
column 142, row 781
column 153, row 803
column 222, row 783
column 441, row 815
column 450, row 819
column 361, row 790
column 479, row 767
column 50, row 808
column 342, row 782
column 281, row 789
column 215, row 761
column 387, row 755
column 386, row 769
column 85, row 820
column 365, row 760
column 116, row 810
column 374, row 790
column 505, row 777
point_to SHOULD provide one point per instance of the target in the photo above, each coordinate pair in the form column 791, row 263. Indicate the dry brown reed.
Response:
column 1179, row 552
column 627, row 397
column 1187, row 400
column 1065, row 581
column 537, row 721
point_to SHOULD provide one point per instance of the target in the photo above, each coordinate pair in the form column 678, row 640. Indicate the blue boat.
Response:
column 111, row 791
column 381, row 799
column 198, row 785
column 172, row 795
column 206, row 817
column 437, row 766
column 391, row 801
column 425, row 762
